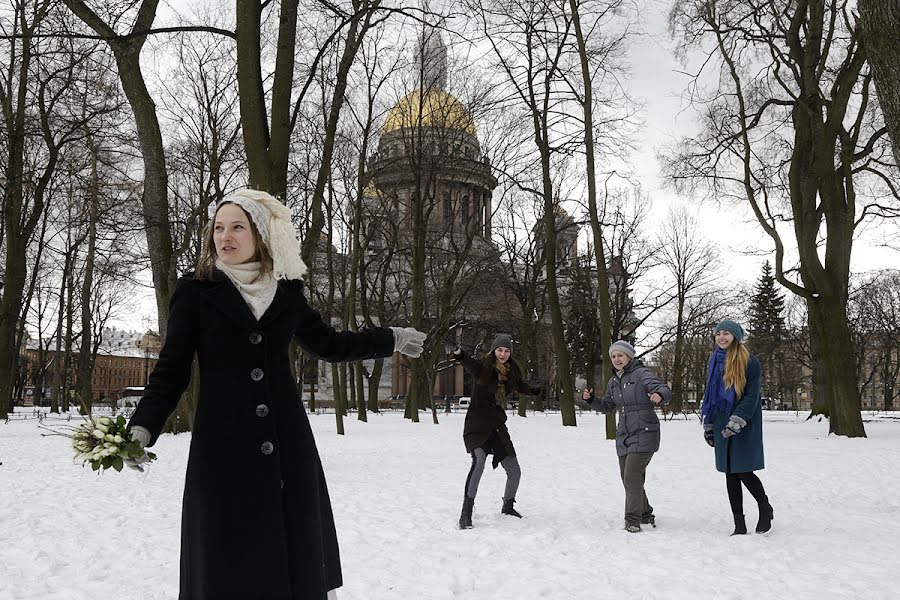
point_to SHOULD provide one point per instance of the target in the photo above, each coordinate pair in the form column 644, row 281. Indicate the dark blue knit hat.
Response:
column 731, row 327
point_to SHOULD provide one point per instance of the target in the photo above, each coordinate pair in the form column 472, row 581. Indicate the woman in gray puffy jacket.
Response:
column 635, row 392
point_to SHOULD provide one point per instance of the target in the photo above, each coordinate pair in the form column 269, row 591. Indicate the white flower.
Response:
column 98, row 434
column 119, row 439
column 109, row 438
column 106, row 420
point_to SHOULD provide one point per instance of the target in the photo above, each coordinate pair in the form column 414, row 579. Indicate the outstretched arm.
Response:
column 326, row 343
column 605, row 404
column 469, row 364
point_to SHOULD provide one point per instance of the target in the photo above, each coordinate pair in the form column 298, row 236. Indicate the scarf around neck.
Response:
column 502, row 378
column 258, row 292
column 716, row 398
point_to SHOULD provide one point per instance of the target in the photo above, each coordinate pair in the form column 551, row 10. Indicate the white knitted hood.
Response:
column 273, row 220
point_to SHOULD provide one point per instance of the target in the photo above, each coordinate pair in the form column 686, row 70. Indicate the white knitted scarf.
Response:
column 257, row 294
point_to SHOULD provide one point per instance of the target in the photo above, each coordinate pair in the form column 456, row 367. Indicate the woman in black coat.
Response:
column 256, row 516
column 485, row 432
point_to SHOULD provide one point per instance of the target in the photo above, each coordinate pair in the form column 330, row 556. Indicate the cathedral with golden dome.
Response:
column 429, row 157
column 429, row 199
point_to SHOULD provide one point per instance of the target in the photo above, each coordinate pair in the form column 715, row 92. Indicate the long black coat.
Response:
column 484, row 415
column 256, row 517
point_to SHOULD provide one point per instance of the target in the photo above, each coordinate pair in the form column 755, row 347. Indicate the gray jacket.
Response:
column 638, row 427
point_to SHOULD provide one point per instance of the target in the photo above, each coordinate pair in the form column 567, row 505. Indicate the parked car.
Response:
column 464, row 402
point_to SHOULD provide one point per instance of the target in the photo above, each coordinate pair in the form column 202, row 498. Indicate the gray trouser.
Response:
column 633, row 468
column 510, row 464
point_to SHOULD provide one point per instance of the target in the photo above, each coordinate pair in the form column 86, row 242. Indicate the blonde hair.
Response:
column 736, row 358
column 206, row 263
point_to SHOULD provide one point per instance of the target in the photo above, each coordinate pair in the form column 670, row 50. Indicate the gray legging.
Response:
column 510, row 464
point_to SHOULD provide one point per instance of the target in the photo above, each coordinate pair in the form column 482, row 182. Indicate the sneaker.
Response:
column 632, row 528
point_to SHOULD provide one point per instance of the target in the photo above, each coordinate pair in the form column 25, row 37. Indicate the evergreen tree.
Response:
column 767, row 329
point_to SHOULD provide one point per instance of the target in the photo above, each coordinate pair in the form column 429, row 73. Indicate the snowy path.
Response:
column 397, row 490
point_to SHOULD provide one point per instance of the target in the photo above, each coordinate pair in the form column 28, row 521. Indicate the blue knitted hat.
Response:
column 731, row 327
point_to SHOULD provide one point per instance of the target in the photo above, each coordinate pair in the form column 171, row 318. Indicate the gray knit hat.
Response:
column 623, row 347
column 731, row 327
column 502, row 340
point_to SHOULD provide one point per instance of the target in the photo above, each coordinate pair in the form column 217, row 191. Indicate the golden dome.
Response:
column 371, row 190
column 436, row 109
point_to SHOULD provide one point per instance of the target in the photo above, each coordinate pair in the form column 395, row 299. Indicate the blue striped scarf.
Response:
column 716, row 398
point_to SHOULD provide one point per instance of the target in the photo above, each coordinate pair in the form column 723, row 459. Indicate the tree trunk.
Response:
column 85, row 354
column 677, row 404
column 838, row 385
column 336, row 393
column 17, row 227
column 880, row 26
column 596, row 229
column 374, row 382
column 360, row 393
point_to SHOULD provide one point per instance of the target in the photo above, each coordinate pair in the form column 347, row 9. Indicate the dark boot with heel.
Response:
column 465, row 517
column 766, row 514
column 740, row 525
column 508, row 508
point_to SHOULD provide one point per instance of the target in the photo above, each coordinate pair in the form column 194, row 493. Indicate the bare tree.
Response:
column 691, row 263
column 531, row 46
column 789, row 130
column 154, row 199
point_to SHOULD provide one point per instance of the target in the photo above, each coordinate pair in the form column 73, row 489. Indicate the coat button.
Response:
column 267, row 448
column 255, row 337
column 262, row 410
column 256, row 374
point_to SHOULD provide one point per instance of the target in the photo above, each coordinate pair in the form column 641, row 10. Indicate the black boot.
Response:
column 740, row 525
column 508, row 508
column 649, row 520
column 766, row 514
column 465, row 517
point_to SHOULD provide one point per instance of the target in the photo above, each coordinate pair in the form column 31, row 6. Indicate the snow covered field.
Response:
column 68, row 534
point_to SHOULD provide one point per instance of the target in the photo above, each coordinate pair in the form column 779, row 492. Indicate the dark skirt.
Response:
column 500, row 445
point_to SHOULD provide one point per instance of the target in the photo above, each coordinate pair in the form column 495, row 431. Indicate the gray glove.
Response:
column 735, row 426
column 408, row 341
column 142, row 436
column 708, row 435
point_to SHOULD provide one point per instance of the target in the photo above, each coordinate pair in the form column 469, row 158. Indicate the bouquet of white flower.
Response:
column 105, row 442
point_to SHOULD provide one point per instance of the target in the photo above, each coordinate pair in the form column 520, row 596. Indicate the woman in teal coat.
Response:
column 732, row 422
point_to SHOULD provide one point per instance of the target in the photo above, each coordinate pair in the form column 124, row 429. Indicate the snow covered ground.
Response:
column 68, row 534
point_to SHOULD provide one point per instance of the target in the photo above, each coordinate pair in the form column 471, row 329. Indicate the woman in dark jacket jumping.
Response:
column 732, row 422
column 485, row 432
column 634, row 391
column 256, row 517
